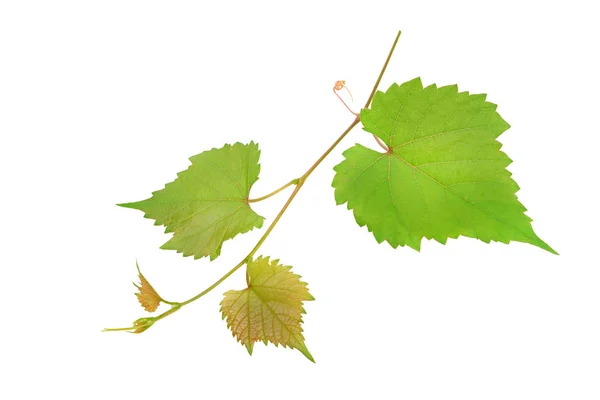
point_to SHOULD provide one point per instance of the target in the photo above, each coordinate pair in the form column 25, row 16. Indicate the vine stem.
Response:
column 368, row 103
column 387, row 61
column 299, row 182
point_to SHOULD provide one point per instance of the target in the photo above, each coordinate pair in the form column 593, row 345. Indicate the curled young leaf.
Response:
column 138, row 326
column 147, row 296
column 141, row 324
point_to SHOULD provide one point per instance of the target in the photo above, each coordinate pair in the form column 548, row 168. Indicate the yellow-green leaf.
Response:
column 208, row 203
column 270, row 308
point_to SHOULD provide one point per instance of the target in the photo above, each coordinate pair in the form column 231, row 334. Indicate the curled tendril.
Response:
column 339, row 85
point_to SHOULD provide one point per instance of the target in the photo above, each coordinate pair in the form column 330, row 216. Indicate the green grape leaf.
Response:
column 270, row 308
column 443, row 175
column 208, row 202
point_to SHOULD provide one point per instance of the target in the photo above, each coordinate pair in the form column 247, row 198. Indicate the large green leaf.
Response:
column 208, row 203
column 443, row 175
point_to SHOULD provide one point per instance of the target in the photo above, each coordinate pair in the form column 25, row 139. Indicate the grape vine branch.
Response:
column 142, row 324
column 441, row 175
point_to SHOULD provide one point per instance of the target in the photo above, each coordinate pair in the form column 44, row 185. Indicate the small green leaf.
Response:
column 208, row 203
column 270, row 308
column 443, row 175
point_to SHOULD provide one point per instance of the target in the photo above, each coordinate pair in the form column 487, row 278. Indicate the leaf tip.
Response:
column 306, row 353
column 543, row 245
column 136, row 205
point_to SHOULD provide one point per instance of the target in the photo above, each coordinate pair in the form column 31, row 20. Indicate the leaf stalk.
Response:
column 273, row 193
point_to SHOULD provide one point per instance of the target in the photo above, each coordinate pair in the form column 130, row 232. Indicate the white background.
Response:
column 103, row 102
